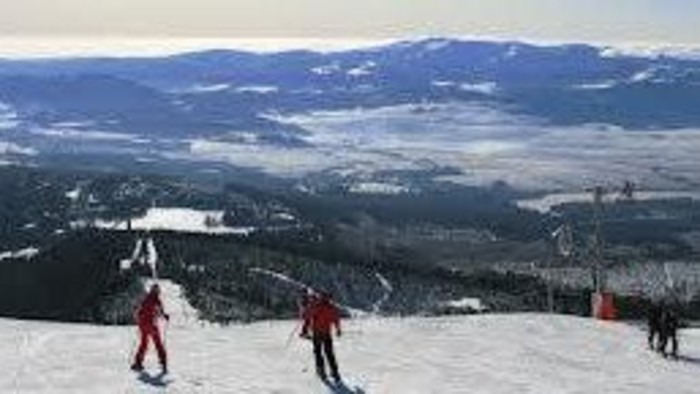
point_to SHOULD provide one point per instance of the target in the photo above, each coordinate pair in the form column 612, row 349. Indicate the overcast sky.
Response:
column 607, row 21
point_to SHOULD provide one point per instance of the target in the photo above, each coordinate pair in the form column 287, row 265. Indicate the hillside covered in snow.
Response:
column 565, row 114
column 519, row 353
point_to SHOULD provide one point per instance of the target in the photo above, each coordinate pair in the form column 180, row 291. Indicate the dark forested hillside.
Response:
column 421, row 252
column 76, row 278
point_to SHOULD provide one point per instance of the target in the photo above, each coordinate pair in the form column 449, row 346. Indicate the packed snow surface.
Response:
column 522, row 353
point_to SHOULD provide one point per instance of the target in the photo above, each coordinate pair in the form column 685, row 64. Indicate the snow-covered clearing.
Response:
column 180, row 220
column 257, row 89
column 378, row 188
column 469, row 304
column 546, row 203
column 74, row 194
column 10, row 148
column 69, row 132
column 219, row 87
column 26, row 253
column 8, row 117
column 470, row 354
column 481, row 87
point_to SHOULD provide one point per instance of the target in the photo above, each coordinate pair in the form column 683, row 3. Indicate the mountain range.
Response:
column 217, row 91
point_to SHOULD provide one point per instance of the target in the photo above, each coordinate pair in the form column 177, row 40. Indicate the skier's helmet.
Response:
column 305, row 297
column 325, row 295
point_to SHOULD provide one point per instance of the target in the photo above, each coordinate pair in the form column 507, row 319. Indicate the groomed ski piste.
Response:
column 490, row 353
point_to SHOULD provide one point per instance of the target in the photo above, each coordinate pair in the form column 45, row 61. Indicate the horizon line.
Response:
column 48, row 47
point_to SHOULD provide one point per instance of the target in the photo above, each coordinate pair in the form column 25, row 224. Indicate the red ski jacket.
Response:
column 320, row 317
column 150, row 308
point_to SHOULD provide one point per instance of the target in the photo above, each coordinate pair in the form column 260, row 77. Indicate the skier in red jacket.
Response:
column 320, row 316
column 146, row 316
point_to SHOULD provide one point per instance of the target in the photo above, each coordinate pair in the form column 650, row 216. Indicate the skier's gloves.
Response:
column 338, row 333
column 166, row 316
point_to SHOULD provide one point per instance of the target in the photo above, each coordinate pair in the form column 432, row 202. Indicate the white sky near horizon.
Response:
column 85, row 26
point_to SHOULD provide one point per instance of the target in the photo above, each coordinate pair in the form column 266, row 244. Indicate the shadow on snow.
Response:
column 339, row 387
column 690, row 360
column 157, row 380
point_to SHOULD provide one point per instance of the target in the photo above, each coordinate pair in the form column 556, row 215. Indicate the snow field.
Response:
column 184, row 220
column 520, row 353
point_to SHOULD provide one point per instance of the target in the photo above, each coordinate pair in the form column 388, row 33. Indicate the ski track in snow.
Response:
column 137, row 250
column 175, row 304
column 388, row 289
column 354, row 312
column 282, row 278
column 520, row 353
column 152, row 257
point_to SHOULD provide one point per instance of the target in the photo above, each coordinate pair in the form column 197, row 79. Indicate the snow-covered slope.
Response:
column 471, row 354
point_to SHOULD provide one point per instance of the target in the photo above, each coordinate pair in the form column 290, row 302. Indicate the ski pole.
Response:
column 134, row 343
column 165, row 337
column 292, row 334
column 165, row 331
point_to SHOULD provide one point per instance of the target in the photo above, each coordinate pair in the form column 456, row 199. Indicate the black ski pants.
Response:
column 666, row 336
column 323, row 346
